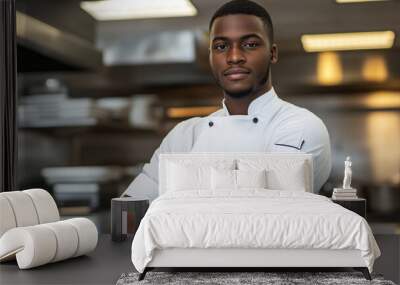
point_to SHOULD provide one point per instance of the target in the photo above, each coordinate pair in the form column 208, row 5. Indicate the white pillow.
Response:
column 187, row 177
column 251, row 178
column 188, row 174
column 227, row 179
column 223, row 179
column 292, row 180
column 282, row 174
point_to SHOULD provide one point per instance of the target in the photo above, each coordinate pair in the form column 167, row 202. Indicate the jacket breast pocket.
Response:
column 290, row 142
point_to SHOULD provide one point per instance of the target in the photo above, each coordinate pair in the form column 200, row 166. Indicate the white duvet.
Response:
column 254, row 218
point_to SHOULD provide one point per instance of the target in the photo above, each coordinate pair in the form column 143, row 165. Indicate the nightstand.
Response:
column 358, row 206
column 126, row 214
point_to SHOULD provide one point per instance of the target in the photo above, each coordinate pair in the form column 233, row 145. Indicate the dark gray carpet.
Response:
column 269, row 278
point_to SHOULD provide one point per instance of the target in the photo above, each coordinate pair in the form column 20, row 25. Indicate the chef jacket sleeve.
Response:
column 179, row 139
column 317, row 142
column 309, row 135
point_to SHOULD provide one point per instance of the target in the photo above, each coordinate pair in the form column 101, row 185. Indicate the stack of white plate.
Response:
column 88, row 186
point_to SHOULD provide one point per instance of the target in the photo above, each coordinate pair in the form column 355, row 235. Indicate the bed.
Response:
column 245, row 210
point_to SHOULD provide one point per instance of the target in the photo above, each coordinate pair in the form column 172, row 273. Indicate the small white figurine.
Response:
column 346, row 192
column 347, row 174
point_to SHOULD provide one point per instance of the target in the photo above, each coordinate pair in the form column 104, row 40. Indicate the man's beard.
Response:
column 251, row 90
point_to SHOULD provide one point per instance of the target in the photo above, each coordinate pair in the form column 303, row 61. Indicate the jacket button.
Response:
column 255, row 120
column 211, row 124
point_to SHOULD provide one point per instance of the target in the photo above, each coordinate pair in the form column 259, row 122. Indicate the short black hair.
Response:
column 248, row 8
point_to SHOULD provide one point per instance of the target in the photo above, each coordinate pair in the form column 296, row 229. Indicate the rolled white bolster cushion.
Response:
column 7, row 218
column 23, row 208
column 40, row 244
column 46, row 208
column 87, row 235
column 66, row 237
column 33, row 246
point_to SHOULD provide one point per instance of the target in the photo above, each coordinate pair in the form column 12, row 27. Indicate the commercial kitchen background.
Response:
column 102, row 94
column 96, row 97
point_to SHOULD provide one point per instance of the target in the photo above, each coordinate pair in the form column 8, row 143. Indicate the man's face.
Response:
column 240, row 54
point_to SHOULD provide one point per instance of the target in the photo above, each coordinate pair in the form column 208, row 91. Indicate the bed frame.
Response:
column 242, row 259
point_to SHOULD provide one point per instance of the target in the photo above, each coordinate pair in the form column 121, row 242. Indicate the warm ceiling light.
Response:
column 329, row 68
column 347, row 41
column 138, row 9
column 357, row 1
column 374, row 69
column 382, row 139
column 184, row 112
column 382, row 100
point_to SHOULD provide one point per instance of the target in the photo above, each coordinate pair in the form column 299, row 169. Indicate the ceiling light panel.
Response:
column 348, row 41
column 108, row 10
column 357, row 1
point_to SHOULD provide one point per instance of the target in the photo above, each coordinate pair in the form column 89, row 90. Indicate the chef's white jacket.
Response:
column 271, row 125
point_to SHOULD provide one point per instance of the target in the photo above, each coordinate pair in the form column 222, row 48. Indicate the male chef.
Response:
column 252, row 118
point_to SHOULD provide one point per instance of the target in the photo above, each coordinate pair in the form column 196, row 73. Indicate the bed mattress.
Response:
column 250, row 219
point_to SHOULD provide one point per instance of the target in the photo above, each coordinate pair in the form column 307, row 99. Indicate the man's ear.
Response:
column 274, row 53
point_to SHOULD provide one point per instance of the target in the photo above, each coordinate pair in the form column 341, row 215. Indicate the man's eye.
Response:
column 250, row 45
column 220, row 47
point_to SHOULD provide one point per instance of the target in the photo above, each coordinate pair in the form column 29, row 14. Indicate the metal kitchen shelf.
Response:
column 56, row 45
